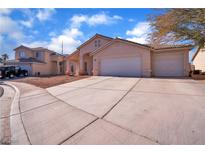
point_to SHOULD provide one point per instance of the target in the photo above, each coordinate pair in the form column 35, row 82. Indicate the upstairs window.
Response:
column 38, row 55
column 22, row 54
column 97, row 43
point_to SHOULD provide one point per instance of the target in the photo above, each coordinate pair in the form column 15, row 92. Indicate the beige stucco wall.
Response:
column 89, row 48
column 28, row 53
column 199, row 60
column 121, row 49
column 38, row 67
column 43, row 68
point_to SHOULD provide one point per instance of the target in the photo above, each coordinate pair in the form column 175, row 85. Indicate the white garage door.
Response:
column 168, row 64
column 129, row 66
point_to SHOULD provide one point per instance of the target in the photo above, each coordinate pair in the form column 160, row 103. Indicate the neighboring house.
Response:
column 199, row 59
column 102, row 55
column 39, row 61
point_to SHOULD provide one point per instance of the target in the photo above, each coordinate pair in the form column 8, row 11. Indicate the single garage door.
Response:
column 168, row 64
column 129, row 66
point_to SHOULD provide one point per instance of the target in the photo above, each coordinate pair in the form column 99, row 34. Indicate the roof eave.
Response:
column 188, row 48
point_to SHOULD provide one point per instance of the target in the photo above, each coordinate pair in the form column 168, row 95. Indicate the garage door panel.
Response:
column 168, row 64
column 129, row 66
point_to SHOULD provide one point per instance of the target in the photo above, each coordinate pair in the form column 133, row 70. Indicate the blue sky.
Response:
column 49, row 27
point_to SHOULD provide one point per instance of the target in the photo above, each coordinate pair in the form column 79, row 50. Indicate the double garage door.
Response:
column 163, row 64
column 124, row 66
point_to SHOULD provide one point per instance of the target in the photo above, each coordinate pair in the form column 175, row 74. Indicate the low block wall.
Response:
column 198, row 76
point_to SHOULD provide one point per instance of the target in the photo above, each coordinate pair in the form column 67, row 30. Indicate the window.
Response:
column 22, row 54
column 97, row 43
column 38, row 55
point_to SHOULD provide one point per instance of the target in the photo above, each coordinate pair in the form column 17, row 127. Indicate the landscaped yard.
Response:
column 45, row 82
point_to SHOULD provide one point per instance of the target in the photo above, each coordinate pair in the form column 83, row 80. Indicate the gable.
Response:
column 93, row 44
column 118, row 48
column 121, row 43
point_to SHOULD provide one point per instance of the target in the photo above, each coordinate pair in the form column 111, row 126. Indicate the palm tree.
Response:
column 4, row 58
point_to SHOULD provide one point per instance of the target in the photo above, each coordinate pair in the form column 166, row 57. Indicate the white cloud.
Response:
column 117, row 17
column 142, row 40
column 5, row 11
column 27, row 23
column 139, row 33
column 52, row 34
column 96, row 19
column 140, row 29
column 30, row 17
column 45, row 14
column 69, row 37
column 131, row 20
column 77, row 20
column 10, row 28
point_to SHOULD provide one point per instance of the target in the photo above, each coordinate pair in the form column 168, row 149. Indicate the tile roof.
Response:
column 39, row 49
column 167, row 46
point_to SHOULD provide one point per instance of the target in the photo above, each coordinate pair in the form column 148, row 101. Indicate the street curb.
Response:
column 1, row 91
column 15, row 100
column 15, row 110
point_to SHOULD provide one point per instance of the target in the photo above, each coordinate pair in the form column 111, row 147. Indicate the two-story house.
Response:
column 39, row 61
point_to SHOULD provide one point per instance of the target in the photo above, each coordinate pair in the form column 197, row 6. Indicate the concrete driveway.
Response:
column 114, row 110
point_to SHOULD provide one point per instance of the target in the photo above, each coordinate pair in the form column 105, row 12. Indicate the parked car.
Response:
column 12, row 71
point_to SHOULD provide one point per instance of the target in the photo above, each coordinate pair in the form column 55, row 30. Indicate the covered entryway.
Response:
column 168, row 64
column 126, row 66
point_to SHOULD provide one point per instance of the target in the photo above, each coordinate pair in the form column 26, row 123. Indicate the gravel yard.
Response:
column 45, row 82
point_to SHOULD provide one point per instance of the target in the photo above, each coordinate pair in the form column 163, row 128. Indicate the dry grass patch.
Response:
column 45, row 82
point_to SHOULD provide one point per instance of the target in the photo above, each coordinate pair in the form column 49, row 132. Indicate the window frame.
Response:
column 22, row 54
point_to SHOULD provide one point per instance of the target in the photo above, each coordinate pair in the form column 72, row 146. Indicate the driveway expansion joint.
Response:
column 77, row 88
column 150, row 139
column 72, row 106
column 79, row 131
column 38, row 107
column 164, row 93
column 120, row 99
